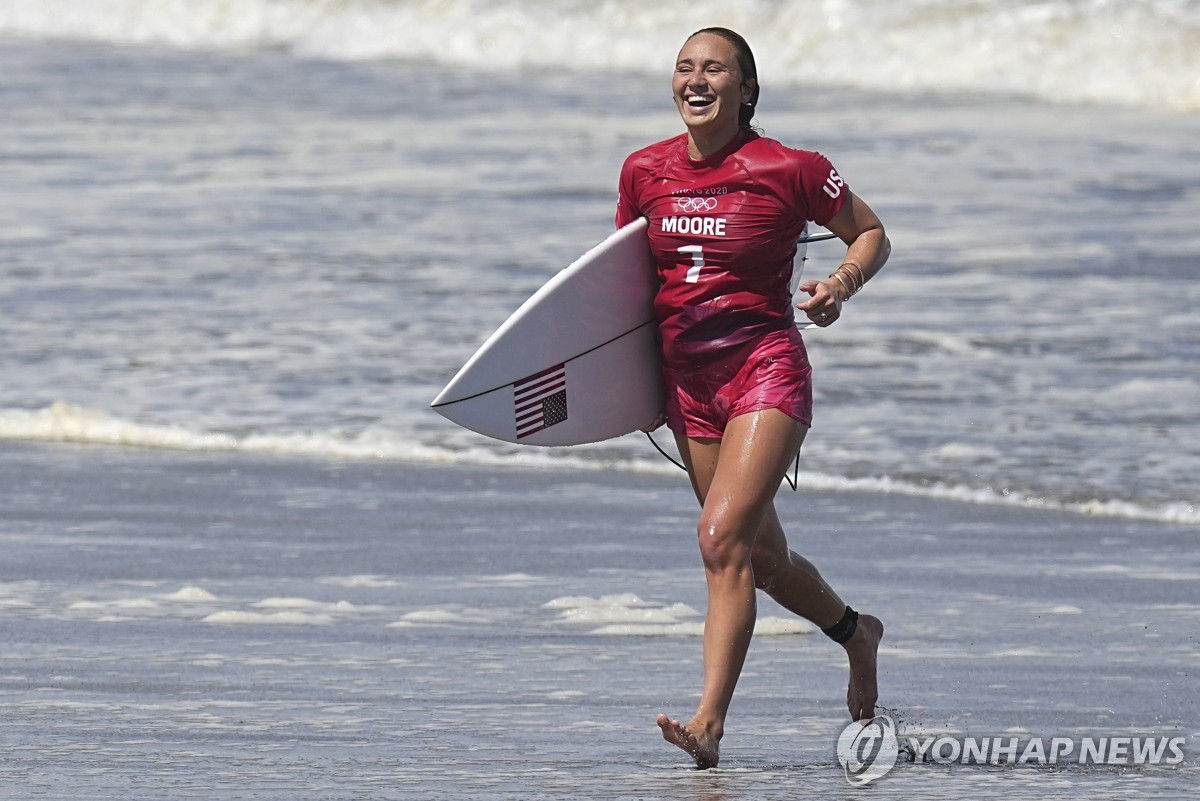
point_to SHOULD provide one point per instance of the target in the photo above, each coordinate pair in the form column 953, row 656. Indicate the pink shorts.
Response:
column 776, row 375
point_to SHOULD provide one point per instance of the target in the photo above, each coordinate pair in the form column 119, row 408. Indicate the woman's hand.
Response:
column 824, row 304
column 867, row 248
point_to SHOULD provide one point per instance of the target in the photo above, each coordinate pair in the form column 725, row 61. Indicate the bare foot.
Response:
column 704, row 749
column 863, row 651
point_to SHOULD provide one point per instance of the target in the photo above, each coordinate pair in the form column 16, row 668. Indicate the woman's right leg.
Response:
column 737, row 476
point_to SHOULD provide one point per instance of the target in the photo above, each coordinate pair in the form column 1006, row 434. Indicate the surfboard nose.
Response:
column 577, row 362
column 451, row 393
column 442, row 397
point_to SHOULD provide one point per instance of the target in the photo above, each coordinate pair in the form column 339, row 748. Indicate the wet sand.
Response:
column 206, row 625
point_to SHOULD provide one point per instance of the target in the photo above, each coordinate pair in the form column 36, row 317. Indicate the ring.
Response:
column 824, row 315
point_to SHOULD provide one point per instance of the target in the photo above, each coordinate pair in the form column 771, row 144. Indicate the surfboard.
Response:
column 577, row 362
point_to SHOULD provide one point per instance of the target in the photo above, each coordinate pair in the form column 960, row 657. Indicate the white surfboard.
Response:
column 577, row 362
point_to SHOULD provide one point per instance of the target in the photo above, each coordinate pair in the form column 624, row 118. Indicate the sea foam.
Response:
column 64, row 422
column 1136, row 52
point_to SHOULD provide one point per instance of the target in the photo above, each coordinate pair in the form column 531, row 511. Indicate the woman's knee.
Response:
column 726, row 540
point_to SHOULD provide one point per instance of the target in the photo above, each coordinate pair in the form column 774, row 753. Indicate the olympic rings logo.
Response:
column 697, row 203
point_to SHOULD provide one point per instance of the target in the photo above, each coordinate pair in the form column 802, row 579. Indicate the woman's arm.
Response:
column 867, row 250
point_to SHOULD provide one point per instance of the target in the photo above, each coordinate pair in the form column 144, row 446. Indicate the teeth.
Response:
column 698, row 100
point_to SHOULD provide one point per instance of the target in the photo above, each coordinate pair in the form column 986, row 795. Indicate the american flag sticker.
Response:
column 540, row 401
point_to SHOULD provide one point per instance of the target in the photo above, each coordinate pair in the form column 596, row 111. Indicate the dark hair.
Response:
column 746, row 64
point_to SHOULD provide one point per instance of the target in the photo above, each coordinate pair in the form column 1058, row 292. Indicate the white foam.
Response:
column 1062, row 609
column 285, row 618
column 120, row 604
column 960, row 451
column 692, row 629
column 1140, row 52
column 191, row 594
column 296, row 603
column 65, row 422
column 368, row 581
column 782, row 626
column 181, row 603
column 1181, row 391
column 197, row 603
column 627, row 615
column 620, row 609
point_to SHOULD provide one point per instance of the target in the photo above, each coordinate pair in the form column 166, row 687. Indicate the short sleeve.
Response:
column 627, row 205
column 823, row 189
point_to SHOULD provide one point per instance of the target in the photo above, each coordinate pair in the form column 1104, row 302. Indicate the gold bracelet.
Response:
column 849, row 292
column 861, row 275
column 856, row 279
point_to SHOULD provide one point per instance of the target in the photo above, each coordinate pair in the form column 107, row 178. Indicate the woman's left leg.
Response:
column 797, row 585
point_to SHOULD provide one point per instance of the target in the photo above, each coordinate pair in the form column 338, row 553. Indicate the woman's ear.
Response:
column 749, row 90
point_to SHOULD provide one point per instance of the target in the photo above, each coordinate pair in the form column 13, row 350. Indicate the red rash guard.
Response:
column 723, row 232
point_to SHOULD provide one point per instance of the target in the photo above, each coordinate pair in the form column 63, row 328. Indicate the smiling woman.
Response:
column 708, row 85
column 726, row 208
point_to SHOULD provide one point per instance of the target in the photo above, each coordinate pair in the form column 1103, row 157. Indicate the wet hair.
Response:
column 747, row 67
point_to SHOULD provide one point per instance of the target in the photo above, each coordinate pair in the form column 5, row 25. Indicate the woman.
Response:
column 726, row 207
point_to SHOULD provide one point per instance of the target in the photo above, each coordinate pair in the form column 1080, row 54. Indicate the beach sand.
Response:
column 204, row 625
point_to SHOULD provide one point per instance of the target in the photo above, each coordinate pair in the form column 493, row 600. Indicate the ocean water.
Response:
column 224, row 236
column 1134, row 52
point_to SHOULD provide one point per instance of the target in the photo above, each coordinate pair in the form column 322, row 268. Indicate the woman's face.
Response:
column 708, row 85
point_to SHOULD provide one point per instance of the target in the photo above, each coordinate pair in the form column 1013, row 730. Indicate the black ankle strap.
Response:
column 844, row 629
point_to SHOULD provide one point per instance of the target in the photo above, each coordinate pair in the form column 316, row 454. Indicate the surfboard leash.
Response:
column 792, row 480
column 665, row 455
